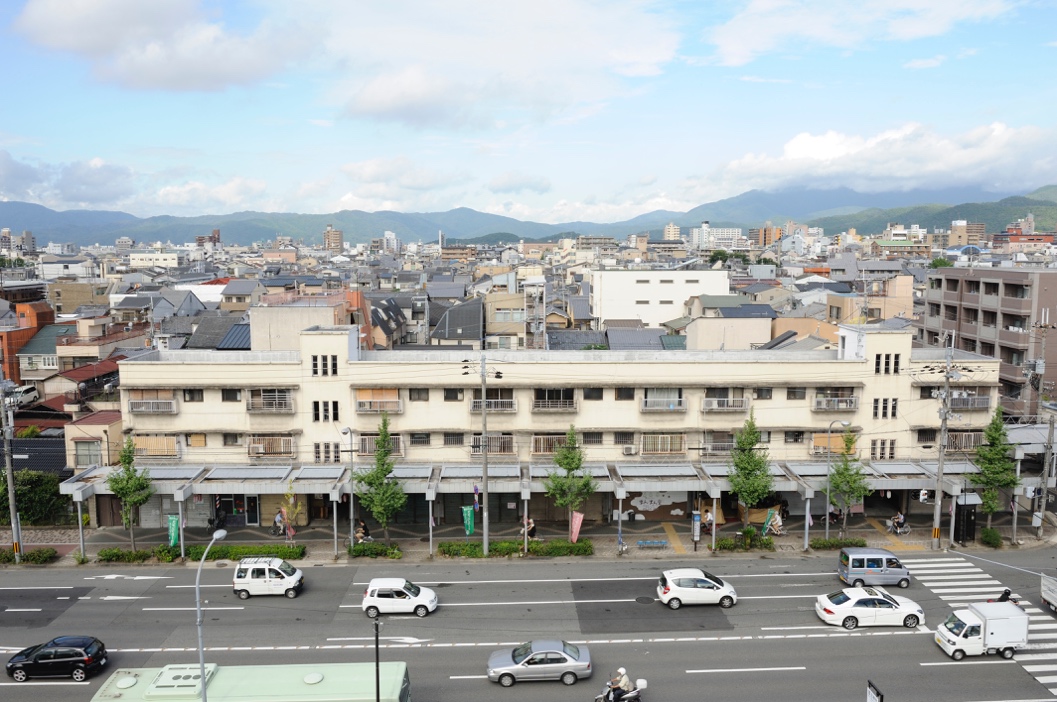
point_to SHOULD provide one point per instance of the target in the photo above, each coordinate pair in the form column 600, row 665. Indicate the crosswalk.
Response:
column 959, row 581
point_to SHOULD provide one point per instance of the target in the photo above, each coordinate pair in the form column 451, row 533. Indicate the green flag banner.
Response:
column 174, row 529
column 467, row 519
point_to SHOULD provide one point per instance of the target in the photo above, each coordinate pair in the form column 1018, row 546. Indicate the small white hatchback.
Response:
column 397, row 596
column 694, row 586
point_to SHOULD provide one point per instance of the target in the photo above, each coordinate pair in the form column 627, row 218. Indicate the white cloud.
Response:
column 18, row 181
column 933, row 62
column 94, row 182
column 766, row 26
column 400, row 173
column 231, row 196
column 515, row 182
column 759, row 79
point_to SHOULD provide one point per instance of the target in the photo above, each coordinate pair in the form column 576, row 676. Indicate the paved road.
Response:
column 770, row 646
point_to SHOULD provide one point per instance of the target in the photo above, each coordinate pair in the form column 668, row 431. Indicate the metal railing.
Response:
column 378, row 406
column 152, row 406
column 260, row 406
column 674, row 404
column 835, row 404
column 554, row 406
column 725, row 404
column 494, row 405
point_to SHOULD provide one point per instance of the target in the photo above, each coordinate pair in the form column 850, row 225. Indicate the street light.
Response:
column 829, row 462
column 218, row 535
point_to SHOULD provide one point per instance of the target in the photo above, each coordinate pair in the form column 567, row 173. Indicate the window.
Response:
column 834, row 312
column 193, row 395
column 592, row 438
column 420, row 439
column 884, row 408
column 666, row 302
column 453, row 439
column 642, row 282
column 886, row 363
column 927, row 392
column 624, row 438
column 327, row 452
column 233, row 439
column 453, row 395
column 324, row 365
column 592, row 393
column 418, row 394
column 87, row 453
column 197, row 440
column 326, row 411
column 927, row 436
column 796, row 394
column 794, row 437
column 764, row 393
column 230, row 395
column 882, row 449
column 625, row 394
column 765, row 437
column 642, row 302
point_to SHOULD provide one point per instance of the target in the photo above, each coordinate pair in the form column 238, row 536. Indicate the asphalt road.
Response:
column 770, row 646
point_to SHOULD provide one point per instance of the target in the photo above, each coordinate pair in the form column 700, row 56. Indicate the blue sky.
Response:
column 550, row 110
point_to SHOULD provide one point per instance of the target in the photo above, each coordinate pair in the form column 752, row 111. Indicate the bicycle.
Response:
column 898, row 531
column 277, row 530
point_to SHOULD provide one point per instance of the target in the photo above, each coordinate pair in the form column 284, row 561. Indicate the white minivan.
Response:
column 397, row 595
column 262, row 575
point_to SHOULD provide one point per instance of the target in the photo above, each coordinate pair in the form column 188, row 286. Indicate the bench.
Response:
column 652, row 544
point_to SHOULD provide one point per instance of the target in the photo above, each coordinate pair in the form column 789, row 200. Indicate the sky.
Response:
column 550, row 110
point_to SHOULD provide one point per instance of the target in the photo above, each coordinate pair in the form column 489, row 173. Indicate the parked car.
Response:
column 694, row 586
column 868, row 606
column 75, row 657
column 542, row 659
column 23, row 395
column 397, row 596
column 263, row 575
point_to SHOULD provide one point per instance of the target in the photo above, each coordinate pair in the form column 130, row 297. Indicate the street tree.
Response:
column 130, row 486
column 379, row 492
column 569, row 486
column 996, row 464
column 750, row 479
column 847, row 480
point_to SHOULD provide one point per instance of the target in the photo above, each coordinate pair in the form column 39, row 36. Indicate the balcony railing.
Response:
column 497, row 445
column 152, row 406
column 368, row 445
column 259, row 446
column 836, row 404
column 725, row 404
column 664, row 443
column 717, row 449
column 554, row 406
column 379, row 406
column 823, row 450
column 965, row 442
column 970, row 403
column 547, row 444
column 494, row 405
column 674, row 404
column 259, row 406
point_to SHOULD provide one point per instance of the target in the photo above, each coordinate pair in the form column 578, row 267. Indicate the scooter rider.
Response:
column 1006, row 595
column 620, row 685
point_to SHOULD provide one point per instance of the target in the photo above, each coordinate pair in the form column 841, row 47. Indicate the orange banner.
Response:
column 578, row 519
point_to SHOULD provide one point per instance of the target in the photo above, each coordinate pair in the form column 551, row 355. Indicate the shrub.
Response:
column 506, row 548
column 372, row 549
column 990, row 537
column 39, row 556
column 166, row 554
column 561, row 547
column 80, row 557
column 748, row 535
column 764, row 543
column 499, row 549
column 233, row 552
column 727, row 543
column 7, row 556
column 831, row 544
column 121, row 555
column 465, row 549
column 395, row 553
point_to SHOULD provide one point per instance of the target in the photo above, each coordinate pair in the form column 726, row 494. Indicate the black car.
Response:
column 66, row 656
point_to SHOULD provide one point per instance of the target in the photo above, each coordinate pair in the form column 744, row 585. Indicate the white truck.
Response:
column 1049, row 592
column 986, row 627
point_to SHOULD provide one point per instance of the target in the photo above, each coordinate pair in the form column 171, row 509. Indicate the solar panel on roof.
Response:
column 670, row 471
column 507, row 471
column 249, row 473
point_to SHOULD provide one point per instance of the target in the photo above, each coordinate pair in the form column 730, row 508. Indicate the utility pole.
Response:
column 7, row 420
column 1043, row 489
column 484, row 452
column 945, row 411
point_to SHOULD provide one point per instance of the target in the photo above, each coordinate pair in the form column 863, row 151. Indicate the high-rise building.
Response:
column 965, row 233
column 333, row 240
column 672, row 232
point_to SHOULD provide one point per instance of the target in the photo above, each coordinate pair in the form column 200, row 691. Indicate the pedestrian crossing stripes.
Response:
column 959, row 582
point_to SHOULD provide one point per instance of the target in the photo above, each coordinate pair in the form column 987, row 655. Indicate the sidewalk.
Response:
column 414, row 539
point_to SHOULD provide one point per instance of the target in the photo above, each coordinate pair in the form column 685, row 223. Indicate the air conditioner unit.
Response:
column 256, row 449
column 631, row 450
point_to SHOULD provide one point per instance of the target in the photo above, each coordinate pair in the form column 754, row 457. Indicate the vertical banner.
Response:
column 476, row 498
column 467, row 519
column 174, row 529
column 767, row 522
column 578, row 519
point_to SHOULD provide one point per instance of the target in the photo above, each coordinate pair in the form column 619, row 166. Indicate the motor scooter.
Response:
column 635, row 694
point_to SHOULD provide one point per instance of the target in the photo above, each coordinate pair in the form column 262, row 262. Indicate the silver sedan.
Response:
column 542, row 659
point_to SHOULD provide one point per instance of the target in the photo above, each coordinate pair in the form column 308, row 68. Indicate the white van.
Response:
column 397, row 596
column 262, row 575
column 23, row 395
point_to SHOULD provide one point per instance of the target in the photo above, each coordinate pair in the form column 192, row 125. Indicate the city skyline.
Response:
column 550, row 112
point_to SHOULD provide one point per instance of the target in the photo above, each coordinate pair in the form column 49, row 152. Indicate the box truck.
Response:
column 986, row 627
column 1049, row 592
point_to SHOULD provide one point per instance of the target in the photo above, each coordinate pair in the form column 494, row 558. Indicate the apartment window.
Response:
column 326, row 411
column 990, row 288
column 418, row 394
column 454, row 439
column 666, row 302
column 87, row 453
column 934, row 309
column 883, row 406
column 625, row 394
column 453, row 395
column 764, row 393
column 196, row 440
column 882, row 449
column 624, row 438
column 952, row 285
column 796, row 393
column 692, row 282
column 794, row 437
column 233, row 439
column 194, row 395
column 420, row 438
column 765, row 437
column 324, row 365
column 926, row 392
column 987, row 349
column 642, row 302
column 667, row 282
column 592, row 393
column 642, row 282
column 834, row 312
column 927, row 436
column 230, row 395
column 592, row 438
column 886, row 363
column 327, row 452
column 935, row 284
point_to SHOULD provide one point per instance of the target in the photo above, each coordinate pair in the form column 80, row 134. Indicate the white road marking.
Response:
column 184, row 609
column 467, row 677
column 37, row 683
column 22, row 610
column 747, row 670
column 57, row 587
column 966, row 661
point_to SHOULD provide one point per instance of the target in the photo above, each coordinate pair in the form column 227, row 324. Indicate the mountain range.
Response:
column 834, row 209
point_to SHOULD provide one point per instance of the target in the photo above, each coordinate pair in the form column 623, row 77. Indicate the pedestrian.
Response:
column 709, row 522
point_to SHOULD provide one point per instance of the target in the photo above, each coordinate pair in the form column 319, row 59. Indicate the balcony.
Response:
column 673, row 404
column 259, row 406
column 379, row 406
column 494, row 405
column 497, row 445
column 546, row 443
column 972, row 404
column 270, row 446
column 368, row 445
column 152, row 406
column 716, row 451
column 663, row 444
column 835, row 404
column 554, row 406
column 725, row 404
column 964, row 442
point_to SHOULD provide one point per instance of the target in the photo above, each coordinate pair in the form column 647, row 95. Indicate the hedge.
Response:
column 990, row 537
column 121, row 555
column 373, row 549
column 498, row 549
column 230, row 552
column 37, row 556
column 832, row 544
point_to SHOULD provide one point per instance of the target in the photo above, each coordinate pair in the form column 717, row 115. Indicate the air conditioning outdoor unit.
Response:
column 631, row 450
column 256, row 449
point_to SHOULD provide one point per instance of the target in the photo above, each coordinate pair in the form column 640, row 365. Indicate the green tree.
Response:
column 940, row 263
column 847, row 481
column 571, row 486
column 718, row 255
column 30, row 432
column 133, row 488
column 997, row 467
column 37, row 496
column 381, row 494
column 750, row 479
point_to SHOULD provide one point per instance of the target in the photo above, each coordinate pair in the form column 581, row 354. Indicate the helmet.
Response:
column 1007, row 591
column 622, row 671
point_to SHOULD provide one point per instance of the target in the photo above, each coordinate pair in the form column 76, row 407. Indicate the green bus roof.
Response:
column 308, row 682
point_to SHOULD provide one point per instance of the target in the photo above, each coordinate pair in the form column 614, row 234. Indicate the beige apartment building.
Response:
column 234, row 430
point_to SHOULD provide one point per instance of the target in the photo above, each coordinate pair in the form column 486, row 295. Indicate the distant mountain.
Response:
column 835, row 209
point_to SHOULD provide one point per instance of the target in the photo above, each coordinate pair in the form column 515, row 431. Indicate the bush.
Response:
column 39, row 556
column 80, row 557
column 121, row 555
column 990, row 537
column 38, row 498
column 498, row 549
column 764, row 543
column 373, row 549
column 464, row 549
column 561, row 547
column 166, row 554
column 233, row 552
column 727, row 543
column 831, row 544
column 748, row 535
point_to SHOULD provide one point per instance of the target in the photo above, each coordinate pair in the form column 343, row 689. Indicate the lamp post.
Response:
column 377, row 663
column 218, row 535
column 829, row 463
column 484, row 443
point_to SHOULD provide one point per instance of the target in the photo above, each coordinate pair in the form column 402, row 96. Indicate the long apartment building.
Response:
column 234, row 430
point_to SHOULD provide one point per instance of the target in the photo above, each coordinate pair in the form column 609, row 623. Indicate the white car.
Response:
column 868, row 606
column 397, row 596
column 694, row 586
